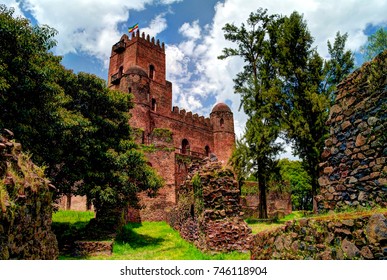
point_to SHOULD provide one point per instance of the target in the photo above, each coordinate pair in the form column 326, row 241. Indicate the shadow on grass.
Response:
column 134, row 239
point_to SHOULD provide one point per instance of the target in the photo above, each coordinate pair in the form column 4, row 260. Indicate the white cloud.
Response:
column 191, row 31
column 89, row 26
column 156, row 26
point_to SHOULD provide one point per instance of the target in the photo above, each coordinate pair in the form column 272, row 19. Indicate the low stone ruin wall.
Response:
column 25, row 206
column 208, row 211
column 278, row 205
column 332, row 238
column 354, row 171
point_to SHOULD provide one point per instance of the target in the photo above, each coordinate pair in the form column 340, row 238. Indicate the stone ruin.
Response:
column 354, row 171
column 25, row 206
column 208, row 211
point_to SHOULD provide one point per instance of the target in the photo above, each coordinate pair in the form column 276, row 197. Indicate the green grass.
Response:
column 145, row 241
column 70, row 216
column 257, row 227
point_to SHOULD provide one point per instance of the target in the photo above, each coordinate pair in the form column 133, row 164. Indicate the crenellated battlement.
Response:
column 189, row 117
column 145, row 38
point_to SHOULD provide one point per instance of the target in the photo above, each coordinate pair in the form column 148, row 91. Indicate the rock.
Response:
column 366, row 253
column 350, row 249
column 360, row 140
column 376, row 229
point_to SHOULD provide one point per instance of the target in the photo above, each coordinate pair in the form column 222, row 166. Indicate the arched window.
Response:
column 154, row 104
column 151, row 72
column 221, row 123
column 207, row 149
column 120, row 71
column 185, row 146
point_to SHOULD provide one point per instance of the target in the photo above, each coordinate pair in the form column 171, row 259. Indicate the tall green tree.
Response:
column 376, row 43
column 260, row 95
column 308, row 85
column 69, row 122
column 285, row 86
column 339, row 65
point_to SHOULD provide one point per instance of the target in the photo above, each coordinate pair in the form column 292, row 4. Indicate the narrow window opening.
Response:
column 221, row 123
column 154, row 104
column 185, row 146
column 151, row 72
column 207, row 149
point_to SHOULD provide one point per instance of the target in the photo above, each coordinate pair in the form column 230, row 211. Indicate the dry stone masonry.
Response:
column 354, row 171
column 341, row 237
column 25, row 206
column 208, row 211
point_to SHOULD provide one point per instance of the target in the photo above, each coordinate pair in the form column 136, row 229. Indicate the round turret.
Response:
column 222, row 121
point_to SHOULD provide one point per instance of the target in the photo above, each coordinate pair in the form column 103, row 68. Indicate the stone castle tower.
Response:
column 174, row 136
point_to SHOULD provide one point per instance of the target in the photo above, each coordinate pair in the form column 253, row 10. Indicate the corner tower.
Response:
column 222, row 120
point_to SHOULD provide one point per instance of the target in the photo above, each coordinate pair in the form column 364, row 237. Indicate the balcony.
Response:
column 119, row 47
column 115, row 78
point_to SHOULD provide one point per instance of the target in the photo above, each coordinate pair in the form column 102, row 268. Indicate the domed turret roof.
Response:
column 221, row 107
column 136, row 70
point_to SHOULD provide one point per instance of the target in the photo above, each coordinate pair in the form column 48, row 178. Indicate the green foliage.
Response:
column 293, row 173
column 260, row 96
column 376, row 43
column 286, row 89
column 163, row 133
column 338, row 67
column 71, row 123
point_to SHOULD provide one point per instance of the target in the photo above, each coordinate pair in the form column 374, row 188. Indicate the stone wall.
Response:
column 25, row 206
column 354, row 171
column 208, row 211
column 333, row 237
column 279, row 204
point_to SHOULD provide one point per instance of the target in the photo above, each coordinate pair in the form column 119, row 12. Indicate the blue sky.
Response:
column 192, row 32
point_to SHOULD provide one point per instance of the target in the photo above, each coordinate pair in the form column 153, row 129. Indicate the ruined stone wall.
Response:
column 327, row 238
column 25, row 206
column 208, row 212
column 354, row 171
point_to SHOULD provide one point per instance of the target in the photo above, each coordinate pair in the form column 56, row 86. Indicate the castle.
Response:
column 171, row 137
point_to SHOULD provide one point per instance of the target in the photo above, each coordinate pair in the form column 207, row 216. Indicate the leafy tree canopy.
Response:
column 72, row 123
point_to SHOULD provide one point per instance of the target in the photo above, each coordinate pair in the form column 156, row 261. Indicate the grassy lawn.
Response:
column 145, row 241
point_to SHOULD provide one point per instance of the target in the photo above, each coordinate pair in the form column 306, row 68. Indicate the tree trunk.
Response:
column 262, row 196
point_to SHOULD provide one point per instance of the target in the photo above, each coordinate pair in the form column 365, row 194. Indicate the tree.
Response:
column 308, row 88
column 258, row 86
column 285, row 87
column 376, row 43
column 339, row 65
column 71, row 123
column 293, row 174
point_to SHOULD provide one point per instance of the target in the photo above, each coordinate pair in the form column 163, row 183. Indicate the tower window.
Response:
column 207, row 150
column 154, row 104
column 221, row 123
column 151, row 72
column 185, row 146
column 130, row 90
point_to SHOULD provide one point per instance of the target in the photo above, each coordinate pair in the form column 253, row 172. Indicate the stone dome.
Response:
column 221, row 107
column 136, row 70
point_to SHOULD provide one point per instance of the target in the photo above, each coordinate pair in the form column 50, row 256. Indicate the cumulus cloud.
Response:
column 156, row 26
column 88, row 26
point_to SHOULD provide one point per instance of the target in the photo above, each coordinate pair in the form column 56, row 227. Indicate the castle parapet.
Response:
column 189, row 117
column 151, row 41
